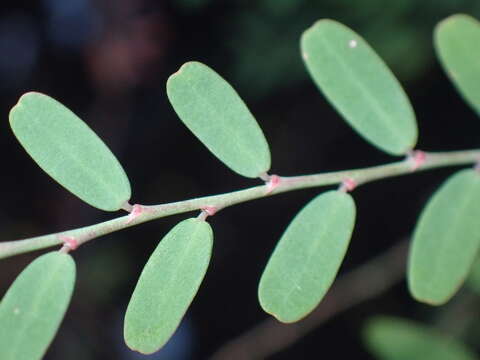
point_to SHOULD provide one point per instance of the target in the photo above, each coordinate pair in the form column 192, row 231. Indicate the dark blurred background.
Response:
column 108, row 60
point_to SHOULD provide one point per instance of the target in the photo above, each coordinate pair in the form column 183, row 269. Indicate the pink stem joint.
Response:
column 69, row 243
column 271, row 181
column 135, row 212
column 207, row 211
column 416, row 158
column 348, row 185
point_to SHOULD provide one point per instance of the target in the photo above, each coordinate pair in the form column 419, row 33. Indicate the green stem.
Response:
column 141, row 214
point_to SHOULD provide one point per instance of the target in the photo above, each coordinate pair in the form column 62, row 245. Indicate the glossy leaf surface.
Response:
column 307, row 257
column 218, row 117
column 446, row 239
column 167, row 285
column 33, row 307
column 457, row 40
column 391, row 338
column 69, row 151
column 360, row 86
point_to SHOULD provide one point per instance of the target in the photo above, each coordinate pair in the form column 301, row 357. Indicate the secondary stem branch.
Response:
column 141, row 213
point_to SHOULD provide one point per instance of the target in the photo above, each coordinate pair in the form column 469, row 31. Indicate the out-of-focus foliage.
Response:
column 263, row 35
column 391, row 338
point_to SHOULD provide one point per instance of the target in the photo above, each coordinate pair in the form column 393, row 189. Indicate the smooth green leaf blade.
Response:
column 218, row 117
column 33, row 307
column 457, row 40
column 307, row 257
column 446, row 239
column 69, row 151
column 391, row 338
column 167, row 285
column 360, row 86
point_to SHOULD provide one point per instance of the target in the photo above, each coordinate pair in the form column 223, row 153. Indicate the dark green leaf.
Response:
column 390, row 338
column 167, row 285
column 446, row 239
column 214, row 112
column 307, row 257
column 457, row 40
column 33, row 307
column 69, row 151
column 360, row 86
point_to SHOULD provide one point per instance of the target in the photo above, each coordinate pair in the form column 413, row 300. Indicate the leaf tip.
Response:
column 278, row 316
column 448, row 21
column 16, row 107
column 138, row 350
column 183, row 67
column 31, row 93
column 285, row 319
column 428, row 300
column 24, row 97
column 459, row 16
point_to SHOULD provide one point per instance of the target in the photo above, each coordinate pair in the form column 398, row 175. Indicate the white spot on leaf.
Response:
column 352, row 44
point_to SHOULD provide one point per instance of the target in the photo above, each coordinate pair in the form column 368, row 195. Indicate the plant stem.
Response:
column 142, row 213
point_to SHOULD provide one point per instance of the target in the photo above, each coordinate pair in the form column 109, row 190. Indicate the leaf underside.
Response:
column 446, row 239
column 307, row 257
column 360, row 86
column 34, row 306
column 167, row 285
column 218, row 117
column 69, row 151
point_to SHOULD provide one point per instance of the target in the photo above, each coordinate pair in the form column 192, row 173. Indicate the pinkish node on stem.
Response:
column 348, row 185
column 417, row 159
column 209, row 210
column 137, row 210
column 69, row 241
column 272, row 183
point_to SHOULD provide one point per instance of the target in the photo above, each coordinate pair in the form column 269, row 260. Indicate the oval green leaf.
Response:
column 33, row 307
column 167, row 285
column 446, row 239
column 391, row 338
column 69, row 151
column 360, row 86
column 218, row 117
column 307, row 257
column 457, row 40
